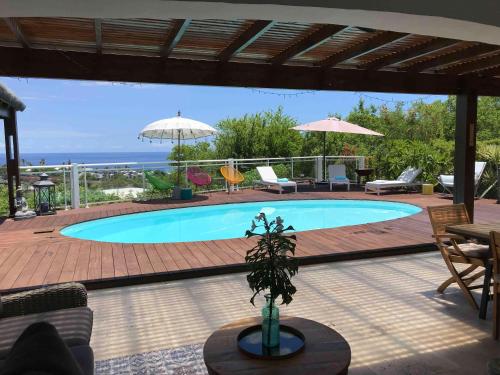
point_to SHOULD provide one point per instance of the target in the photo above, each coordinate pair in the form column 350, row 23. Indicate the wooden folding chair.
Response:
column 458, row 250
column 495, row 248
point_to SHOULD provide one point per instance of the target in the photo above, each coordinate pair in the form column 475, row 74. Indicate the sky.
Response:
column 88, row 116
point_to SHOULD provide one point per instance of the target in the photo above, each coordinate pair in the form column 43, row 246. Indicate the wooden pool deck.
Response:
column 33, row 253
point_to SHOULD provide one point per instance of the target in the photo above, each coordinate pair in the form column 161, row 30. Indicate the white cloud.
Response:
column 56, row 134
column 48, row 98
column 108, row 84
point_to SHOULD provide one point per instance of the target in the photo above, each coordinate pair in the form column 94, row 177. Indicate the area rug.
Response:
column 182, row 360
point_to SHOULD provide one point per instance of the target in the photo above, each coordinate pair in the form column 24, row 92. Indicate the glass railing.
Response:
column 82, row 185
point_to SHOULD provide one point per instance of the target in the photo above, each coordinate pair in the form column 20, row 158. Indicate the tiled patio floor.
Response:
column 28, row 258
column 387, row 308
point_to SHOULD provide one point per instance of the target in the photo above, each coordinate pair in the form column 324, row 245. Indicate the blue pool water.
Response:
column 232, row 220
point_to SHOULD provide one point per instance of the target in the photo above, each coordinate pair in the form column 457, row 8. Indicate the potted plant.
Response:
column 272, row 265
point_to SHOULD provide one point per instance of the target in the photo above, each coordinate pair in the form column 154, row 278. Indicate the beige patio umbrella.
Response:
column 335, row 125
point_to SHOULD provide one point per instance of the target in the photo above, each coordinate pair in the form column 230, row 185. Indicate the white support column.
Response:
column 75, row 186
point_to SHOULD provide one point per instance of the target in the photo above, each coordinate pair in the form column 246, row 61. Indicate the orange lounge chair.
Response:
column 232, row 176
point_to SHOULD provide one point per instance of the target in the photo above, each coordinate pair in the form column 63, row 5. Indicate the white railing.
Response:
column 80, row 185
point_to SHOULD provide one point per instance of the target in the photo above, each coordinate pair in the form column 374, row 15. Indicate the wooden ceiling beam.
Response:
column 16, row 30
column 473, row 66
column 492, row 72
column 246, row 38
column 174, row 36
column 452, row 57
column 41, row 63
column 410, row 53
column 98, row 35
column 361, row 48
column 311, row 41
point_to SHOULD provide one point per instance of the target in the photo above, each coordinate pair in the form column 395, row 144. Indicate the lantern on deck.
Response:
column 45, row 196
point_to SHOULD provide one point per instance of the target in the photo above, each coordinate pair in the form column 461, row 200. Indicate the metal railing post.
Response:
column 186, row 173
column 143, row 180
column 318, row 167
column 75, row 186
column 65, row 190
column 292, row 166
column 230, row 186
column 361, row 162
column 85, row 186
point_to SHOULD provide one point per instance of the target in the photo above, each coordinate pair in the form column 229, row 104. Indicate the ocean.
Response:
column 89, row 157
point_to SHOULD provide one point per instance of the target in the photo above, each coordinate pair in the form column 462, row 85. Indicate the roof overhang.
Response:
column 457, row 19
column 9, row 100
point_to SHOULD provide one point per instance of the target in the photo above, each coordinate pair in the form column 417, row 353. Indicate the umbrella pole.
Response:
column 178, row 158
column 324, row 156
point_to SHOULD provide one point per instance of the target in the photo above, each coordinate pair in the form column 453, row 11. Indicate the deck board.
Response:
column 28, row 259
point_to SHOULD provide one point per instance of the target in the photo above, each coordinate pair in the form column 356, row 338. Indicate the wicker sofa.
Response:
column 64, row 306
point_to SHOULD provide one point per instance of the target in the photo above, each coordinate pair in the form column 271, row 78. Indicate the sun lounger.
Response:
column 337, row 175
column 269, row 178
column 405, row 179
column 448, row 181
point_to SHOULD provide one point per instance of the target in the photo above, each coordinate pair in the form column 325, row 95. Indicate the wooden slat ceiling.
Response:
column 263, row 43
column 206, row 39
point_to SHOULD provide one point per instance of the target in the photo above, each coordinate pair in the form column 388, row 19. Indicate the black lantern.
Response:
column 45, row 196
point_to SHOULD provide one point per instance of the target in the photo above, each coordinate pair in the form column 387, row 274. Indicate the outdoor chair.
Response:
column 158, row 183
column 198, row 177
column 64, row 306
column 337, row 176
column 269, row 178
column 447, row 181
column 458, row 251
column 495, row 248
column 232, row 176
column 405, row 180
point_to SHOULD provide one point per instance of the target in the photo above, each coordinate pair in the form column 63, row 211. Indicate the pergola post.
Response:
column 12, row 157
column 465, row 150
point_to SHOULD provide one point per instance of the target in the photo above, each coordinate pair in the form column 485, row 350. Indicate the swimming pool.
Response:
column 226, row 221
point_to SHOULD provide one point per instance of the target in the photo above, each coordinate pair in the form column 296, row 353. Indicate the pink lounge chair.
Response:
column 198, row 177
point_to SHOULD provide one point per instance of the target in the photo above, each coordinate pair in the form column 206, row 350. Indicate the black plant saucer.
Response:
column 292, row 342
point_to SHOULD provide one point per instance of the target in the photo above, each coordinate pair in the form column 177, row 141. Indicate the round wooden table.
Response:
column 326, row 351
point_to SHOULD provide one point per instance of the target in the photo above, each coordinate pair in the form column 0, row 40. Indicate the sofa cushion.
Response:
column 74, row 326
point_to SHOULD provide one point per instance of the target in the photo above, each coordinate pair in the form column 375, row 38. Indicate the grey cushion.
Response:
column 74, row 326
column 472, row 250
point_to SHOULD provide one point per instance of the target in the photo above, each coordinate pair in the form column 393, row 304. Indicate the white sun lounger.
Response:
column 405, row 179
column 269, row 178
column 337, row 175
column 448, row 181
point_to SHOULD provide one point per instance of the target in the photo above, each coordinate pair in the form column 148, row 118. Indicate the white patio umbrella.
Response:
column 335, row 125
column 179, row 128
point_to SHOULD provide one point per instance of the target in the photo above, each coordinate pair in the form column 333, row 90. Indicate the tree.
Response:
column 198, row 151
column 266, row 134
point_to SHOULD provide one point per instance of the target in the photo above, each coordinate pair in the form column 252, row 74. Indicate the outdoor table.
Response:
column 364, row 172
column 480, row 232
column 325, row 351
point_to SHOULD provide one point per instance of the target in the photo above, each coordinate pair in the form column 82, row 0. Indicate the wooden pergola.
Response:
column 9, row 105
column 261, row 53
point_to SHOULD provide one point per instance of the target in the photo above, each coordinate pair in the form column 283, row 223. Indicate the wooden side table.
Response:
column 326, row 351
